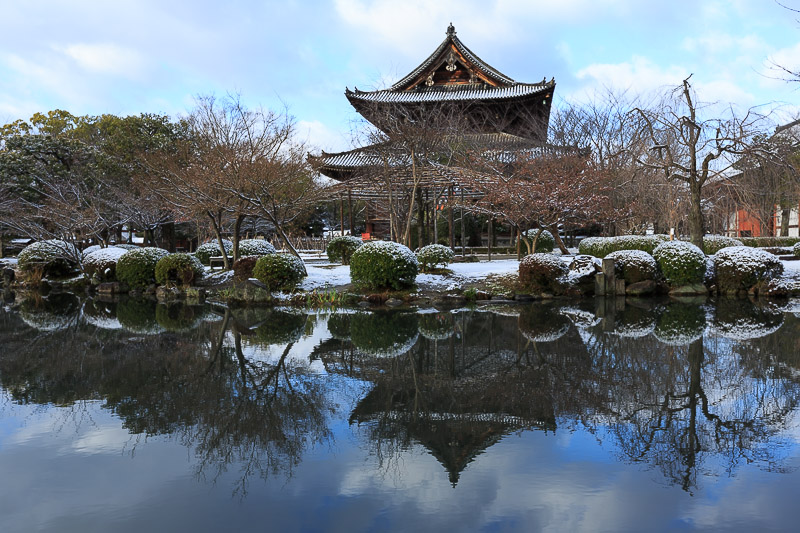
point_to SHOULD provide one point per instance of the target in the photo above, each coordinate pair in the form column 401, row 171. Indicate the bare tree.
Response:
column 686, row 147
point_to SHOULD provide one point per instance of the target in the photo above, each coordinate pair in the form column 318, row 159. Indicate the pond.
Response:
column 602, row 415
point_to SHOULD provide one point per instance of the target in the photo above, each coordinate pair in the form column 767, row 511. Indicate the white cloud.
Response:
column 106, row 58
column 640, row 75
column 319, row 135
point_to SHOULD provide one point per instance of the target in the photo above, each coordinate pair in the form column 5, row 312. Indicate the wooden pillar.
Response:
column 463, row 227
column 435, row 207
column 350, row 210
column 450, row 223
column 341, row 215
column 490, row 238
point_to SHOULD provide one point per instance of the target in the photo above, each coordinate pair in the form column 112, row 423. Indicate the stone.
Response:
column 689, row 290
column 166, row 294
column 111, row 287
column 394, row 302
column 8, row 276
column 641, row 288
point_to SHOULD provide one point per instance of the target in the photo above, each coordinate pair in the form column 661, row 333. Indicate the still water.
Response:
column 596, row 416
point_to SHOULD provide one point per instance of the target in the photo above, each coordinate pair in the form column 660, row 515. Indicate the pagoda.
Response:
column 452, row 82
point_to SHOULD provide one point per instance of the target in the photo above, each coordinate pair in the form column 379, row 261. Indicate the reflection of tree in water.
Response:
column 199, row 388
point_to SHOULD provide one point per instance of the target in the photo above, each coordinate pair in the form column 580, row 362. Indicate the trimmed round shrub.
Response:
column 634, row 265
column 102, row 263
column 796, row 249
column 384, row 333
column 680, row 324
column 340, row 249
column 384, row 264
column 682, row 263
column 89, row 249
column 211, row 249
column 53, row 257
column 137, row 267
column 740, row 267
column 126, row 246
column 243, row 267
column 279, row 272
column 541, row 271
column 434, row 254
column 180, row 268
column 545, row 243
column 255, row 247
column 714, row 243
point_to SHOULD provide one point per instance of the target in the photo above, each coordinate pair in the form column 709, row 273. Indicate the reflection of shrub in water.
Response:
column 680, row 324
column 339, row 326
column 384, row 334
column 281, row 327
column 55, row 312
column 178, row 317
column 436, row 326
column 102, row 315
column 635, row 322
column 742, row 320
column 138, row 316
column 542, row 323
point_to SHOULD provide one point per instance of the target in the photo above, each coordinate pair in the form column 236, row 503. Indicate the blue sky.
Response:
column 127, row 57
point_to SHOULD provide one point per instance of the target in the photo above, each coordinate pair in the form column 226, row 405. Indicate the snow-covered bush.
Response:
column 541, row 271
column 182, row 268
column 592, row 246
column 340, row 249
column 769, row 242
column 255, row 247
column 384, row 264
column 137, row 267
column 279, row 271
column 384, row 333
column 796, row 249
column 682, row 263
column 741, row 267
column 281, row 327
column 680, row 324
column 714, row 243
column 602, row 246
column 211, row 249
column 545, row 243
column 92, row 248
column 243, row 267
column 126, row 246
column 434, row 254
column 53, row 257
column 102, row 263
column 634, row 265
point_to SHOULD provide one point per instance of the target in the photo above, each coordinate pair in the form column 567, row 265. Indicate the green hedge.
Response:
column 340, row 249
column 682, row 263
column 137, row 267
column 714, row 243
column 279, row 272
column 181, row 268
column 602, row 246
column 769, row 242
column 382, row 265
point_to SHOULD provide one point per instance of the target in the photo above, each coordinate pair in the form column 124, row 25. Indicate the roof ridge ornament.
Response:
column 451, row 30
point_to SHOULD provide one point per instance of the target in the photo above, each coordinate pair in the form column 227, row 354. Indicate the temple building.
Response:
column 451, row 93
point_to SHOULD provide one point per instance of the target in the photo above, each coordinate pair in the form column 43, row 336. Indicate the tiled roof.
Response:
column 466, row 52
column 451, row 93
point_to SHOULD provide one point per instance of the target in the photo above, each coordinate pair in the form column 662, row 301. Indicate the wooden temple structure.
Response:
column 453, row 89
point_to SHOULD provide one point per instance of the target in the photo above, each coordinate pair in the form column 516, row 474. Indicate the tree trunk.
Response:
column 421, row 239
column 786, row 212
column 451, row 226
column 217, row 227
column 696, row 215
column 237, row 227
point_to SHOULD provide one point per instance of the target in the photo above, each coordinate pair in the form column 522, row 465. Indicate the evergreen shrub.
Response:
column 542, row 271
column 740, row 268
column 434, row 254
column 634, row 265
column 602, row 246
column 137, row 268
column 255, row 247
column 384, row 264
column 52, row 257
column 182, row 268
column 769, row 242
column 211, row 249
column 682, row 263
column 102, row 263
column 796, row 249
column 714, row 243
column 279, row 271
column 340, row 249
